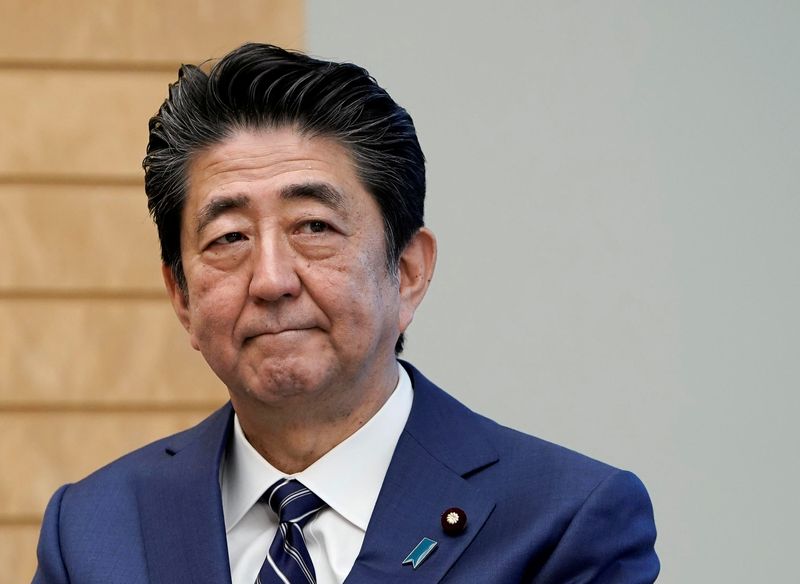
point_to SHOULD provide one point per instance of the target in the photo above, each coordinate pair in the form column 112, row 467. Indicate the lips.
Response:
column 274, row 332
column 281, row 331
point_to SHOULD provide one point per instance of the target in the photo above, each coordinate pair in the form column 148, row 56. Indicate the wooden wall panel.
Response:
column 68, row 238
column 68, row 123
column 144, row 32
column 100, row 352
column 61, row 448
column 90, row 351
column 18, row 553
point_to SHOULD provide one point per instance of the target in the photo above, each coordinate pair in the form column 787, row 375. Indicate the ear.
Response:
column 180, row 301
column 415, row 271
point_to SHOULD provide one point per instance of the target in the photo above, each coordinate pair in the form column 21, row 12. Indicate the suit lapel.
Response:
column 181, row 507
column 442, row 442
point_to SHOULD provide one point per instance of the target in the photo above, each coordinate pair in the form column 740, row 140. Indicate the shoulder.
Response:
column 523, row 453
column 560, row 515
column 452, row 430
column 534, row 480
column 530, row 469
column 585, row 520
column 116, row 480
column 88, row 523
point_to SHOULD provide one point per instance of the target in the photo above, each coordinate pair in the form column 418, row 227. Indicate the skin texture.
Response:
column 288, row 297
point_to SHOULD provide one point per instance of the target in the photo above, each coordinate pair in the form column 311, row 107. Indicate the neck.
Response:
column 293, row 436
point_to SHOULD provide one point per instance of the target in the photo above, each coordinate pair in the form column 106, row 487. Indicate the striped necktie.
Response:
column 287, row 560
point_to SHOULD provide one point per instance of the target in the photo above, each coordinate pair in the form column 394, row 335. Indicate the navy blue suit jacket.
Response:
column 536, row 512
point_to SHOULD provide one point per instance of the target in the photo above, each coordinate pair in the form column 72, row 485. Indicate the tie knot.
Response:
column 292, row 501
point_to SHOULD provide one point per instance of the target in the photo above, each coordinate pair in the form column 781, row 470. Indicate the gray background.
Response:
column 615, row 190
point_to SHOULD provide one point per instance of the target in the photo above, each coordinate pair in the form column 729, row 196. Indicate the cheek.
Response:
column 214, row 305
column 372, row 295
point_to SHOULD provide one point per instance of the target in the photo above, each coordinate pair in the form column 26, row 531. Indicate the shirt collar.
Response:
column 348, row 477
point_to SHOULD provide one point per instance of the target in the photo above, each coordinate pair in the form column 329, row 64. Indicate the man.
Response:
column 288, row 195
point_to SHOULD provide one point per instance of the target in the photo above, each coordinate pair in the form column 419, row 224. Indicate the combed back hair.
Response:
column 260, row 86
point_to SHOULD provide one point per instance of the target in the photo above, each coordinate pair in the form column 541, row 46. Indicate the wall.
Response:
column 92, row 361
column 615, row 189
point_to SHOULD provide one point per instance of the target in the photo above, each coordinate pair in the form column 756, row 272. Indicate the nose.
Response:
column 274, row 275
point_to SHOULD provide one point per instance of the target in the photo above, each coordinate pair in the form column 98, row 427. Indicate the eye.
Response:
column 232, row 237
column 315, row 226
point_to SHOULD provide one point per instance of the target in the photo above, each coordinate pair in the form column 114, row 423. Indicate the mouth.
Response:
column 276, row 333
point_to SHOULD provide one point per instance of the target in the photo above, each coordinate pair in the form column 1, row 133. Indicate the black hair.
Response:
column 259, row 86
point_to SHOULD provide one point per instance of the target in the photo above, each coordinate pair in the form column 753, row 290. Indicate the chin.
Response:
column 275, row 382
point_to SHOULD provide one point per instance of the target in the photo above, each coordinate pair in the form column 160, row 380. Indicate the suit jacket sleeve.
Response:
column 51, row 569
column 609, row 540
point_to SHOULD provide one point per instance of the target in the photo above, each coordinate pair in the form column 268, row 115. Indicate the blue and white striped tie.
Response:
column 287, row 560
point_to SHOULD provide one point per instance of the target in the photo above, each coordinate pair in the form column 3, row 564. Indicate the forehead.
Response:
column 275, row 154
column 264, row 162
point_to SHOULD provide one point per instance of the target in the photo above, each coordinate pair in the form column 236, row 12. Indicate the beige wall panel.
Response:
column 146, row 30
column 77, row 123
column 18, row 553
column 52, row 449
column 69, row 238
column 99, row 352
column 92, row 362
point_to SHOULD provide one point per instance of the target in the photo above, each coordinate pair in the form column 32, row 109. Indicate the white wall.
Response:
column 615, row 190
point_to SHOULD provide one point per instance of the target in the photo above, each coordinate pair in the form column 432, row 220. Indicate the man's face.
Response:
column 283, row 250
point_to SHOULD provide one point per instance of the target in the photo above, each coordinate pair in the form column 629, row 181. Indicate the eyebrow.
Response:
column 318, row 191
column 218, row 206
column 321, row 192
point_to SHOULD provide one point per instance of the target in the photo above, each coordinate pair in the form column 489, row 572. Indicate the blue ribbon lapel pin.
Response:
column 420, row 553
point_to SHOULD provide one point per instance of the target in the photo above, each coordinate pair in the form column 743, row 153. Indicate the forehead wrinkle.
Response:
column 220, row 162
column 219, row 205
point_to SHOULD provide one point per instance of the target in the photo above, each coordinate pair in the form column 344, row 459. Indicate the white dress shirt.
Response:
column 348, row 479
